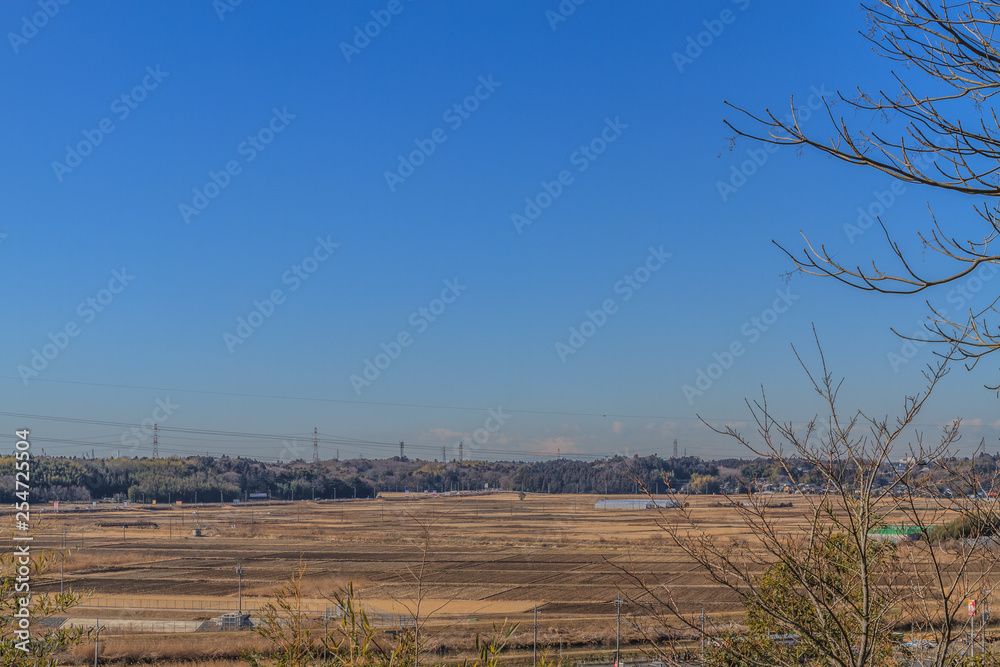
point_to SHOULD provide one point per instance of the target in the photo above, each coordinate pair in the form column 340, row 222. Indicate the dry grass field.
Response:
column 477, row 560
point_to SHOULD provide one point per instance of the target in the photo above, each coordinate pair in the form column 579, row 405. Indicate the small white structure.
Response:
column 635, row 504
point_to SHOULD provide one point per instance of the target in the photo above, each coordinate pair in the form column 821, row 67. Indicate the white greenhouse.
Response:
column 634, row 504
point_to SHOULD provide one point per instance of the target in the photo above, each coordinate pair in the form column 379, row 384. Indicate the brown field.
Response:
column 489, row 558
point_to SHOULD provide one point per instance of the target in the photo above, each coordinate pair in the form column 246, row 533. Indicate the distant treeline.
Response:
column 199, row 478
column 206, row 479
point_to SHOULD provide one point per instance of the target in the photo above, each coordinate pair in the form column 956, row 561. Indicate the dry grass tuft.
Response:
column 221, row 649
column 90, row 561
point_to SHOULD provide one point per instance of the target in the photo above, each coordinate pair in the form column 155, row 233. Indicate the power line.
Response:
column 195, row 431
column 697, row 418
column 266, row 437
column 354, row 402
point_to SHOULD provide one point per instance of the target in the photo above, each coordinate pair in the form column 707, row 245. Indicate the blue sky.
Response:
column 308, row 129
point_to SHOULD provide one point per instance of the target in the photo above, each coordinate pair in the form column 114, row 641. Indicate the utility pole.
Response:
column 618, row 630
column 972, row 630
column 97, row 639
column 239, row 573
column 534, row 644
column 702, row 626
column 986, row 618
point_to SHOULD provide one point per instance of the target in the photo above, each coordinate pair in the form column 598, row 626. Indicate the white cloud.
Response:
column 442, row 434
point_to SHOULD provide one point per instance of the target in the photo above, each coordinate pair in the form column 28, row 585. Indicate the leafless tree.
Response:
column 420, row 579
column 948, row 138
column 823, row 584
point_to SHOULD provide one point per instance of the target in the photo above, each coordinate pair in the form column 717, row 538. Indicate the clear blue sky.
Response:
column 308, row 129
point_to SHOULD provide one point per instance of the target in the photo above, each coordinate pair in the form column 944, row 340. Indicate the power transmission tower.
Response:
column 156, row 443
column 443, row 456
column 460, row 455
column 315, row 445
column 675, row 448
column 400, row 450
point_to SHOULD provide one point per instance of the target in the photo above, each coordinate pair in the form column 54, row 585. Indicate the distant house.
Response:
column 907, row 463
